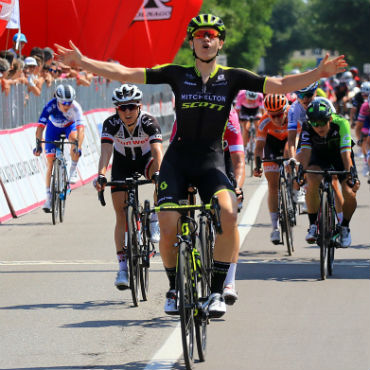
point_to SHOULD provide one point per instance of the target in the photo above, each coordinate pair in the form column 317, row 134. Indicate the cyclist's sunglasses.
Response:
column 128, row 106
column 67, row 103
column 204, row 32
column 318, row 123
column 305, row 95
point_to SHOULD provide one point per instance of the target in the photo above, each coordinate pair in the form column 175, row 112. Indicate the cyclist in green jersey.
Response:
column 204, row 92
column 326, row 143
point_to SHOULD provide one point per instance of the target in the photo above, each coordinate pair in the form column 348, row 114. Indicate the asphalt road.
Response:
column 59, row 308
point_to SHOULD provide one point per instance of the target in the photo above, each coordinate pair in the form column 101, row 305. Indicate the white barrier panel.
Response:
column 4, row 209
column 20, row 171
column 23, row 174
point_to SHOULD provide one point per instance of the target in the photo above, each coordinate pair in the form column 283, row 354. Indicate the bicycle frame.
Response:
column 327, row 236
column 286, row 206
column 59, row 181
column 136, row 243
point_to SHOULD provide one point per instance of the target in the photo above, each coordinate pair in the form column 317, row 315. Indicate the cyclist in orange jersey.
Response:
column 272, row 137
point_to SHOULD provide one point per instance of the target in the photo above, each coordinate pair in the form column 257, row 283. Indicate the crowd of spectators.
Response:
column 35, row 69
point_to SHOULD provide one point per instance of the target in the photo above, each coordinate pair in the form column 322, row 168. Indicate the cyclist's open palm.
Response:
column 71, row 57
column 333, row 66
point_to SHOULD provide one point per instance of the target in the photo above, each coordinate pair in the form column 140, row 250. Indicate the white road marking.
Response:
column 171, row 350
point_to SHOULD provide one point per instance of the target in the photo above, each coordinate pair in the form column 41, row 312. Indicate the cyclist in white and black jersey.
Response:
column 134, row 137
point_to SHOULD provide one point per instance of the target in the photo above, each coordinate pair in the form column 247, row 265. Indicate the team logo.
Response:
column 163, row 185
column 154, row 10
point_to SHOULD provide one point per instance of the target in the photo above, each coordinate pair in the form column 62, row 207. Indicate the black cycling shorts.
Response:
column 246, row 114
column 123, row 168
column 329, row 162
column 273, row 147
column 181, row 168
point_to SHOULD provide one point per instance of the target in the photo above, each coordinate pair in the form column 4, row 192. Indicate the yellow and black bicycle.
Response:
column 193, row 275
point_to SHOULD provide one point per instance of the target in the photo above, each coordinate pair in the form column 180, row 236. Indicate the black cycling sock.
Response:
column 219, row 273
column 171, row 274
column 312, row 217
column 345, row 223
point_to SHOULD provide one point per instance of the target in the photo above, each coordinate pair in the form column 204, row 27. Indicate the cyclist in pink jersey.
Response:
column 249, row 106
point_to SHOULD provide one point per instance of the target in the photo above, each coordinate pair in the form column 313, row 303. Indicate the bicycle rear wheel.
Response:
column 63, row 193
column 324, row 234
column 285, row 219
column 133, row 254
column 55, row 192
column 186, row 304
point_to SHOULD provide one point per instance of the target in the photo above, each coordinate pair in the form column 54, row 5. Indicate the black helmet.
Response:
column 206, row 21
column 318, row 110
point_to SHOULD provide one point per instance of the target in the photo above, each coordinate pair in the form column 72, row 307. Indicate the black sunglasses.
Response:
column 305, row 95
column 127, row 106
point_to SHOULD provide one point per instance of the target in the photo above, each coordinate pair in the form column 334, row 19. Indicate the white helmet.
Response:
column 365, row 88
column 126, row 93
column 251, row 95
column 346, row 76
column 65, row 93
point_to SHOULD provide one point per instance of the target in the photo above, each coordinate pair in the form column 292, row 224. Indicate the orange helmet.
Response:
column 275, row 103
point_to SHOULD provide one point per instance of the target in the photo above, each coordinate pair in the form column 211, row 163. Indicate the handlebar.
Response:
column 183, row 209
column 128, row 183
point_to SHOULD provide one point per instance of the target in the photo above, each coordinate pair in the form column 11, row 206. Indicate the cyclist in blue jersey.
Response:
column 61, row 115
column 204, row 92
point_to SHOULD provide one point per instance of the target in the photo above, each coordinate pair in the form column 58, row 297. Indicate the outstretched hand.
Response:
column 333, row 66
column 72, row 57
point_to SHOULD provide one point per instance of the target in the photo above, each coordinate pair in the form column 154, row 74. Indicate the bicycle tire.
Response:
column 186, row 303
column 133, row 255
column 331, row 251
column 144, row 261
column 285, row 219
column 203, row 285
column 324, row 234
column 55, row 192
column 63, row 193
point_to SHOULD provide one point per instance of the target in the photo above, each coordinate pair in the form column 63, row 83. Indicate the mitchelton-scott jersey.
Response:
column 202, row 109
column 132, row 146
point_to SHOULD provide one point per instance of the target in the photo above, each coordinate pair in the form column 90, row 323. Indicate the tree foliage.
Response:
column 341, row 25
column 286, row 23
column 276, row 28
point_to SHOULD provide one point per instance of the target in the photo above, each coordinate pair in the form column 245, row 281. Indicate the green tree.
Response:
column 341, row 25
column 288, row 34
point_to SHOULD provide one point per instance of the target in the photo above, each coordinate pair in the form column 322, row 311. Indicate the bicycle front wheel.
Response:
column 55, row 192
column 285, row 219
column 324, row 234
column 186, row 303
column 145, row 250
column 331, row 250
column 133, row 254
column 62, row 192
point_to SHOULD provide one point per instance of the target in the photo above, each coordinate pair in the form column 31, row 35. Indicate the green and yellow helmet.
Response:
column 206, row 21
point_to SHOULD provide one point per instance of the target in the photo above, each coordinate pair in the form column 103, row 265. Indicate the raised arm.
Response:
column 112, row 71
column 290, row 83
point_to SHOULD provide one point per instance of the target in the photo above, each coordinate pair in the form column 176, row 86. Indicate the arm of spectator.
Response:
column 5, row 86
column 32, row 87
column 82, row 80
